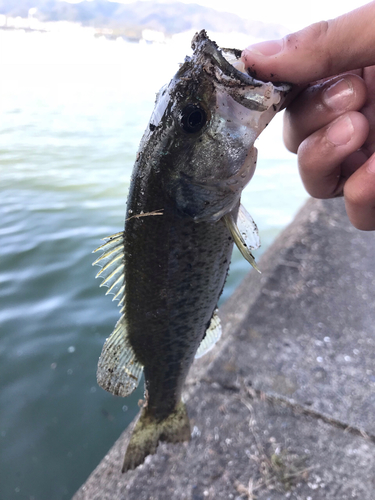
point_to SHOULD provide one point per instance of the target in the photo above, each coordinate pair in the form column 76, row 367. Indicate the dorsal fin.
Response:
column 212, row 335
column 244, row 233
column 112, row 266
column 118, row 370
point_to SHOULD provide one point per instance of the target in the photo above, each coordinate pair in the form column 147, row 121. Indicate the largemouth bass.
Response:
column 168, row 267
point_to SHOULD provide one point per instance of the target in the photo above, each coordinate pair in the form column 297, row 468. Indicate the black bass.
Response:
column 169, row 266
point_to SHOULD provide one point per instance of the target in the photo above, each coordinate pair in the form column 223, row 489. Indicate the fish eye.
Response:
column 193, row 118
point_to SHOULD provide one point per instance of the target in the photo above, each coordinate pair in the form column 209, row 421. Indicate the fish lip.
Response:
column 201, row 43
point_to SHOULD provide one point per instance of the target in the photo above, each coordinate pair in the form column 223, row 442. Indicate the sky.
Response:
column 294, row 14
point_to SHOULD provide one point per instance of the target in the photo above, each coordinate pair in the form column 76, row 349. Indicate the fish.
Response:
column 183, row 215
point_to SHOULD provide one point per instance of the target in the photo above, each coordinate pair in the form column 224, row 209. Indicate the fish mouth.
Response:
column 223, row 58
column 228, row 70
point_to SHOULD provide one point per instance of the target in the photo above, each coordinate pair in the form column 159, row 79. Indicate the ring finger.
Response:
column 330, row 155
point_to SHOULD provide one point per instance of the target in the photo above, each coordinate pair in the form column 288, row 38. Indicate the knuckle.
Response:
column 318, row 169
column 305, row 156
column 313, row 41
column 319, row 30
column 308, row 36
column 358, row 197
column 314, row 154
column 320, row 34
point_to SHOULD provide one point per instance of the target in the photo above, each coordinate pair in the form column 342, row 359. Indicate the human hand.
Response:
column 329, row 123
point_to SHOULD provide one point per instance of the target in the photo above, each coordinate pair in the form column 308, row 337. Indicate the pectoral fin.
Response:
column 244, row 233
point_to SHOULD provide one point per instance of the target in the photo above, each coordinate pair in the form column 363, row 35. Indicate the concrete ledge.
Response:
column 284, row 407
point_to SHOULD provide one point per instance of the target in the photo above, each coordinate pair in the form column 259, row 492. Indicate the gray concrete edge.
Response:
column 105, row 483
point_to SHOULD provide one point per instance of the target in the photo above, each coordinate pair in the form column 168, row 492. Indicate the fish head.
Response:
column 208, row 118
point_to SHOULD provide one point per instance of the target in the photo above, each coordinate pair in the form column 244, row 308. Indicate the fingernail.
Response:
column 269, row 48
column 338, row 95
column 341, row 131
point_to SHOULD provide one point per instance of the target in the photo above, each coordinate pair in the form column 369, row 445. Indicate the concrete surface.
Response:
column 283, row 407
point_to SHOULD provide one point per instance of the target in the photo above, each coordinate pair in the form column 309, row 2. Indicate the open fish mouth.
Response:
column 229, row 69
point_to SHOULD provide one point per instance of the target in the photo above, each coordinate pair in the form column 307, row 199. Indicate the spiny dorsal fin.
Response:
column 212, row 335
column 118, row 370
column 112, row 266
column 245, row 234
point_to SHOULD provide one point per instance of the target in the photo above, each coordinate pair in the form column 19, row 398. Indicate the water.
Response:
column 72, row 113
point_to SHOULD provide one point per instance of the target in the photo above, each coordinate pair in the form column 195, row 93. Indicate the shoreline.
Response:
column 282, row 407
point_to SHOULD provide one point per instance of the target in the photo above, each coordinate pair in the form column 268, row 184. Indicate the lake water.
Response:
column 72, row 112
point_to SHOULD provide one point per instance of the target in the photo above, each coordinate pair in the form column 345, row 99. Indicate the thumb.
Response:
column 321, row 50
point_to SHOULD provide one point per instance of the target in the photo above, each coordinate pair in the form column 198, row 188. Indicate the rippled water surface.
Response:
column 72, row 112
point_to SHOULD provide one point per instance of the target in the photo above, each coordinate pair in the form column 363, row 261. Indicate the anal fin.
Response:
column 118, row 371
column 212, row 335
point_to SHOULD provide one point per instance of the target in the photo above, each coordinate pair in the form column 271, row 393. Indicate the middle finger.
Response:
column 319, row 104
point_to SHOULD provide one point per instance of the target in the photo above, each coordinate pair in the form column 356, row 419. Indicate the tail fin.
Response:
column 148, row 431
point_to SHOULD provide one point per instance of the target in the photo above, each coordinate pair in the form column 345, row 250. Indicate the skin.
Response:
column 330, row 118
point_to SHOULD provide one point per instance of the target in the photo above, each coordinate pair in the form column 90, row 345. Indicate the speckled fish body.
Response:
column 169, row 266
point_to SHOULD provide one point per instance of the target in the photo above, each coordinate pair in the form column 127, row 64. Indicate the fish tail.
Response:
column 148, row 431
